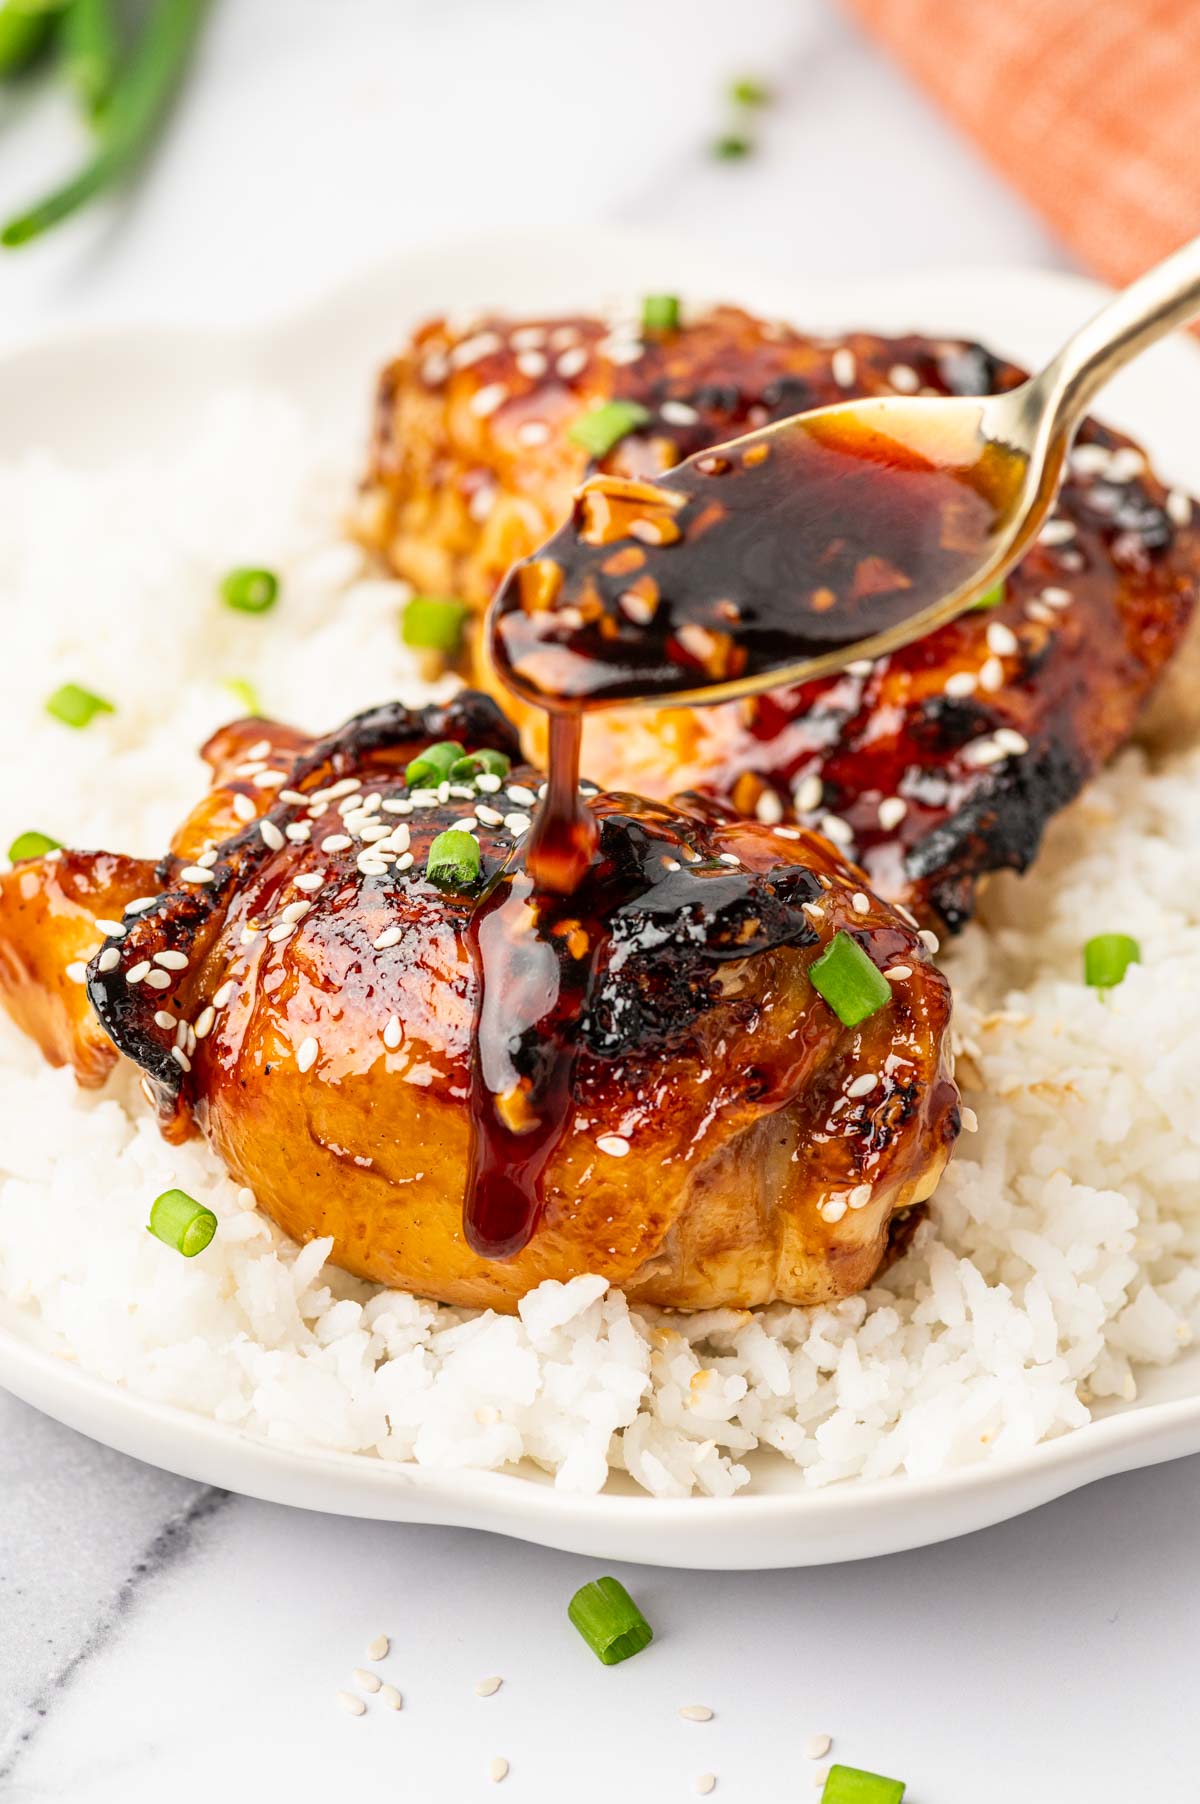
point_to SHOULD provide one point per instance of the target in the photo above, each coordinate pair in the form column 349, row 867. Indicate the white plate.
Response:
column 134, row 389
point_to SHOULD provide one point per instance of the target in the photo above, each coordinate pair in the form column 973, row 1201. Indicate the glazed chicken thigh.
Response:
column 295, row 987
column 930, row 767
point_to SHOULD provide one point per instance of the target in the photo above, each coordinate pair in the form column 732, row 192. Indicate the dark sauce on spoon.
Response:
column 795, row 542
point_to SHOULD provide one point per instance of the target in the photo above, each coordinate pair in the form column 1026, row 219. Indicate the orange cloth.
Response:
column 1091, row 108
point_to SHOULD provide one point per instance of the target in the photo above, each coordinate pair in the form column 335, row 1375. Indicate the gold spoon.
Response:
column 714, row 581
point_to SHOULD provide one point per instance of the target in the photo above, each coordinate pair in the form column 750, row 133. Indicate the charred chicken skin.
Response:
column 296, row 988
column 930, row 767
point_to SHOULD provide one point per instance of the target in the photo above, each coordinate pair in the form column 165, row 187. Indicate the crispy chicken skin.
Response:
column 314, row 1020
column 931, row 767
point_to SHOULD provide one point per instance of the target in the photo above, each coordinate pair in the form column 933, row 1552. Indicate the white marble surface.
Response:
column 158, row 1640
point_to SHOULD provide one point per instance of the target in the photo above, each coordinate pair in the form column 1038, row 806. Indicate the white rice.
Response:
column 1061, row 1251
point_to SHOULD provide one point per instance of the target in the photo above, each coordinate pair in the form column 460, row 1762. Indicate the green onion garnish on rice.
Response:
column 660, row 313
column 250, row 591
column 850, row 1785
column 1107, row 957
column 604, row 427
column 453, row 861
column 851, row 984
column 32, row 845
column 433, row 623
column 731, row 147
column 991, row 598
column 609, row 1621
column 179, row 1221
column 244, row 693
column 479, row 764
column 433, row 765
column 75, row 707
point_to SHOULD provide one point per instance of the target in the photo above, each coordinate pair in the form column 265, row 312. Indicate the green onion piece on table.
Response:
column 75, row 707
column 250, row 591
column 132, row 115
column 179, row 1221
column 604, row 427
column 851, row 984
column 453, row 861
column 850, row 1785
column 1107, row 957
column 479, row 764
column 731, row 147
column 991, row 598
column 25, row 31
column 32, row 845
column 749, row 91
column 660, row 313
column 433, row 623
column 244, row 693
column 609, row 1621
column 433, row 765
column 90, row 52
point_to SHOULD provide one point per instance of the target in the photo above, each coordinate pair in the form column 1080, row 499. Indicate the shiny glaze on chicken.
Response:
column 930, row 767
column 293, row 987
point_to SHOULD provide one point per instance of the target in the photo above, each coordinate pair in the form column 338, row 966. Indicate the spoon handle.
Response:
column 1167, row 296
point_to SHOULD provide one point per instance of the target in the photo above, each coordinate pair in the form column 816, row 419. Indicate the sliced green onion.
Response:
column 732, row 146
column 250, row 591
column 90, row 52
column 179, row 1221
column 453, row 861
column 749, row 91
column 850, row 1785
column 991, row 598
column 434, row 623
column 1107, row 957
column 604, row 427
column 244, row 693
column 433, row 765
column 131, row 117
column 609, row 1621
column 25, row 30
column 32, row 845
column 660, row 313
column 75, row 707
column 851, row 984
column 479, row 764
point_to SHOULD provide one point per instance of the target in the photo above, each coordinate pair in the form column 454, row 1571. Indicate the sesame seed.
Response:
column 834, row 1209
column 860, row 1196
column 140, row 904
column 836, row 829
column 1179, row 507
column 158, row 980
column 929, row 940
column 181, row 1058
column 527, row 338
column 678, row 413
column 391, row 936
column 485, row 401
column 1010, row 741
column 309, row 880
column 769, row 808
column 860, row 902
column 845, row 367
column 705, row 1783
column 860, row 667
column 1056, row 598
column 172, row 961
column 983, row 751
column 195, row 873
column 572, row 363
column 306, row 1053
column 337, row 842
column 136, row 972
column 294, row 797
column 250, row 768
column 113, row 930
column 808, row 794
column 960, row 683
column 272, row 837
column 349, row 1703
column 533, row 432
column 970, row 1120
column 470, row 350
column 991, row 675
column 243, row 807
column 491, row 817
column 621, row 350
column 284, row 931
column 109, row 959
column 345, row 786
column 517, row 823
column 164, row 1020
column 696, row 1713
column 1090, row 460
column 615, row 1145
column 366, row 1680
column 728, row 858
column 269, row 779
column 813, row 910
column 77, row 971
column 204, row 1021
column 260, row 749
column 820, row 1777
column 403, row 862
column 295, row 911
column 400, row 837
column 1002, row 640
column 1126, row 464
column 488, row 781
column 397, row 805
column 897, row 973
column 904, row 378
column 207, row 860
column 532, row 364
column 298, row 832
column 488, row 1688
column 425, row 798
column 519, row 793
column 862, row 1086
column 498, row 1769
column 391, row 1697
column 1057, row 532
column 393, row 1033
column 378, row 1648
column 223, row 995
column 787, row 832
column 892, row 811
column 817, row 1746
